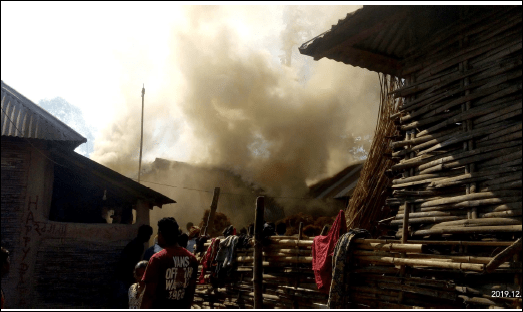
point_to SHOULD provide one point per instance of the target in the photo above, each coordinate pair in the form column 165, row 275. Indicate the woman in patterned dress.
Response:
column 136, row 289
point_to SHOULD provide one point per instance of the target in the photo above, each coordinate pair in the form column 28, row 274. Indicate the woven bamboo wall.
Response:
column 460, row 159
column 457, row 175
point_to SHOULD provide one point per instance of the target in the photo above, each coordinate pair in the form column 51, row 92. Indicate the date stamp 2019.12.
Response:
column 506, row 294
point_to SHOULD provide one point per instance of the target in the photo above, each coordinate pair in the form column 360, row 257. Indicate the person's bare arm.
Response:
column 149, row 295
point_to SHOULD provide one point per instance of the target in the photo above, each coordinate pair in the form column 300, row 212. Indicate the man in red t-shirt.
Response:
column 170, row 277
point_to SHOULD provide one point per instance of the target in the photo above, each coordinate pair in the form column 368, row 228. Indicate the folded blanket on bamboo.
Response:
column 322, row 248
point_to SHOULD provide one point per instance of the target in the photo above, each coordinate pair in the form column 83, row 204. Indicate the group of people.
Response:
column 165, row 278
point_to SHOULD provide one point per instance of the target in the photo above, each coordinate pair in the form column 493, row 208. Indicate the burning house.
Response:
column 55, row 212
column 192, row 185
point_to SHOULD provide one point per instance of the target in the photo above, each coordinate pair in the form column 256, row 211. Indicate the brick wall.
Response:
column 14, row 172
column 71, row 273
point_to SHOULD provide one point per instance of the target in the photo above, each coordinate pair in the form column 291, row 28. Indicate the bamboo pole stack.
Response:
column 364, row 207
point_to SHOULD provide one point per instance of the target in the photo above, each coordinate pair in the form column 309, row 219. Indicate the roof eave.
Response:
column 70, row 158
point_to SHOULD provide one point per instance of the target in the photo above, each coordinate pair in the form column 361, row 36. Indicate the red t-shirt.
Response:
column 172, row 269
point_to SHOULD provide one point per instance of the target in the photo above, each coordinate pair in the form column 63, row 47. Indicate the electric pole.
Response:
column 141, row 138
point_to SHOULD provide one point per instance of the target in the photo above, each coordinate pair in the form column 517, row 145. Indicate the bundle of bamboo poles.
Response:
column 288, row 280
column 365, row 204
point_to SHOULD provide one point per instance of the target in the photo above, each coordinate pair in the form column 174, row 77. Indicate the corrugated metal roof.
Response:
column 33, row 122
column 110, row 179
column 379, row 38
column 338, row 186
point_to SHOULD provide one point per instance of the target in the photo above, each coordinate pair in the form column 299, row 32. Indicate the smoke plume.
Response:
column 229, row 97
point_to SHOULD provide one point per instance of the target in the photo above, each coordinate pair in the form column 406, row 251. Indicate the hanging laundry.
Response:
column 208, row 259
column 230, row 230
column 322, row 249
column 229, row 245
column 224, row 260
column 340, row 284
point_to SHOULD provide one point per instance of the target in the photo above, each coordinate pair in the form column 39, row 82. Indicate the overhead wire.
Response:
column 226, row 193
column 182, row 187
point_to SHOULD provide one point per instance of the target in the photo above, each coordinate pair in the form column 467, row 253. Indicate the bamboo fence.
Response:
column 438, row 274
column 287, row 281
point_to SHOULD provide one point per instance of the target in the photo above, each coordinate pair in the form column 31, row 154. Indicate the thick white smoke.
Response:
column 236, row 94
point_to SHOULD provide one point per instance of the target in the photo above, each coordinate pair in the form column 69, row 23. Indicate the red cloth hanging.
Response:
column 322, row 251
column 208, row 258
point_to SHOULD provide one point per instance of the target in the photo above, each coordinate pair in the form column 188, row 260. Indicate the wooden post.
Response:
column 258, row 251
column 214, row 206
column 300, row 230
column 467, row 126
column 517, row 276
column 141, row 139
